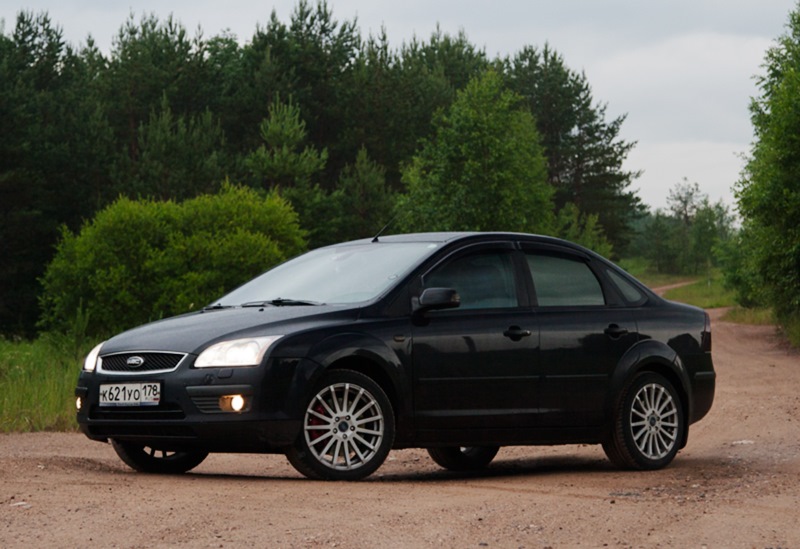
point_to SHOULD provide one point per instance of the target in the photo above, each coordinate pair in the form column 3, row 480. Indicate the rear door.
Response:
column 584, row 331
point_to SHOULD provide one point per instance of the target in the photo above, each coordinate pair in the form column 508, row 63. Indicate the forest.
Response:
column 127, row 177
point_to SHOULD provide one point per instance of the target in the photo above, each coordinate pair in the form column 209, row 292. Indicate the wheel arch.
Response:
column 371, row 357
column 651, row 356
column 372, row 369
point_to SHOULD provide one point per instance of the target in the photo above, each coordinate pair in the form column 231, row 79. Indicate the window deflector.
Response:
column 564, row 280
column 483, row 274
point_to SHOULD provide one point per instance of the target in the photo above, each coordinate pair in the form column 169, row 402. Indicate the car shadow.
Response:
column 419, row 467
column 504, row 468
column 421, row 471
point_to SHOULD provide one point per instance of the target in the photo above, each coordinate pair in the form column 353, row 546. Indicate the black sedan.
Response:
column 455, row 342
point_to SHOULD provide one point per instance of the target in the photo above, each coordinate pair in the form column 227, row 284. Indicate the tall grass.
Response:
column 37, row 382
column 710, row 293
column 741, row 315
column 707, row 293
column 792, row 329
column 645, row 273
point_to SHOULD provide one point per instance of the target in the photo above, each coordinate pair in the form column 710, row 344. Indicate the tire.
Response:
column 463, row 458
column 147, row 459
column 348, row 429
column 648, row 425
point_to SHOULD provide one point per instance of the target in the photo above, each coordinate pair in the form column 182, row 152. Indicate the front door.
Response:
column 475, row 367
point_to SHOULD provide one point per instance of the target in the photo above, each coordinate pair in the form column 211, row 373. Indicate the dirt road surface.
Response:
column 736, row 484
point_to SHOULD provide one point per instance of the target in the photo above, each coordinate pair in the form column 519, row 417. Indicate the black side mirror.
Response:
column 433, row 299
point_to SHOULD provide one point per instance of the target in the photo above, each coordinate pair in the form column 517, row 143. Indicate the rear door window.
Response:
column 563, row 281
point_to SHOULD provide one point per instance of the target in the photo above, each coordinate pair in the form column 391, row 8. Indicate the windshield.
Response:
column 338, row 274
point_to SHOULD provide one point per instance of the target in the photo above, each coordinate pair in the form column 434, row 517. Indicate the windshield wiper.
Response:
column 280, row 302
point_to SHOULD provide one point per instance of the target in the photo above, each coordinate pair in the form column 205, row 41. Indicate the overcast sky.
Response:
column 682, row 70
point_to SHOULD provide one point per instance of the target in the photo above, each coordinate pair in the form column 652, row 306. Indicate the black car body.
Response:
column 455, row 342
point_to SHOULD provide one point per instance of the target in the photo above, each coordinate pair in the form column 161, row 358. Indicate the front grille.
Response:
column 135, row 363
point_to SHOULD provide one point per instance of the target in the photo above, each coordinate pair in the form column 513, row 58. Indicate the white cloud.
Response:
column 715, row 166
column 695, row 86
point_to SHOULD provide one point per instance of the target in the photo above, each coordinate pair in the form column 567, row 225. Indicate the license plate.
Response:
column 146, row 393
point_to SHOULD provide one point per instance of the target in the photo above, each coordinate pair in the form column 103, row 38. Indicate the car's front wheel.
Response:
column 147, row 459
column 648, row 425
column 348, row 429
column 463, row 458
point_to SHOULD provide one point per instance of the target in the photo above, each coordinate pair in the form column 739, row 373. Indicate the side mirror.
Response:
column 433, row 299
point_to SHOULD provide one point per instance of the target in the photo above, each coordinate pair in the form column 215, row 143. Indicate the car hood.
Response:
column 191, row 333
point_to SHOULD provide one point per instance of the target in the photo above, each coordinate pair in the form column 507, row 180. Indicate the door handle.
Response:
column 515, row 333
column 615, row 331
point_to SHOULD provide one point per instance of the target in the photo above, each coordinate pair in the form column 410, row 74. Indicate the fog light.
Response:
column 78, row 403
column 232, row 403
column 237, row 403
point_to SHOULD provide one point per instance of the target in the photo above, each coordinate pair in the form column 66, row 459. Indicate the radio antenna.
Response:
column 384, row 228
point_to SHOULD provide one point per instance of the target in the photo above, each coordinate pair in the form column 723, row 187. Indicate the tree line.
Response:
column 344, row 127
column 348, row 133
column 691, row 236
column 763, row 265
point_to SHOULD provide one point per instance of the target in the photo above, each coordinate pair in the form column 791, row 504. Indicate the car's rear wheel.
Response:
column 348, row 429
column 153, row 460
column 648, row 424
column 463, row 458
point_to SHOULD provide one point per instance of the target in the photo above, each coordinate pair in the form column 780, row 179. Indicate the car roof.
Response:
column 454, row 236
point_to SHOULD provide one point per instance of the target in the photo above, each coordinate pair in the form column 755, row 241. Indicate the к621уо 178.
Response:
column 455, row 342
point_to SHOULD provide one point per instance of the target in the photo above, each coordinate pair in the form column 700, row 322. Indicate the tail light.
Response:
column 706, row 338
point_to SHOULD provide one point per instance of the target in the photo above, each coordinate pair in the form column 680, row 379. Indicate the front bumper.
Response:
column 189, row 414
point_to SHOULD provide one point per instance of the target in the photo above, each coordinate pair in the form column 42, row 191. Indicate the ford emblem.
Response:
column 134, row 361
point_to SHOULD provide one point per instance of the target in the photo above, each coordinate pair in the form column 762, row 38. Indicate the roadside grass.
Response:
column 741, row 315
column 710, row 293
column 37, row 380
column 792, row 330
column 707, row 293
column 641, row 269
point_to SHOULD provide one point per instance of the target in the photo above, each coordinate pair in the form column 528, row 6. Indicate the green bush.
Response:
column 738, row 259
column 138, row 261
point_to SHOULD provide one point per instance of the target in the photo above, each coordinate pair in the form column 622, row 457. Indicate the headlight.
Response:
column 238, row 352
column 92, row 359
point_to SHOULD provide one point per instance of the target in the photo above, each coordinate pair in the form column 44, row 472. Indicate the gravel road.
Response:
column 737, row 484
